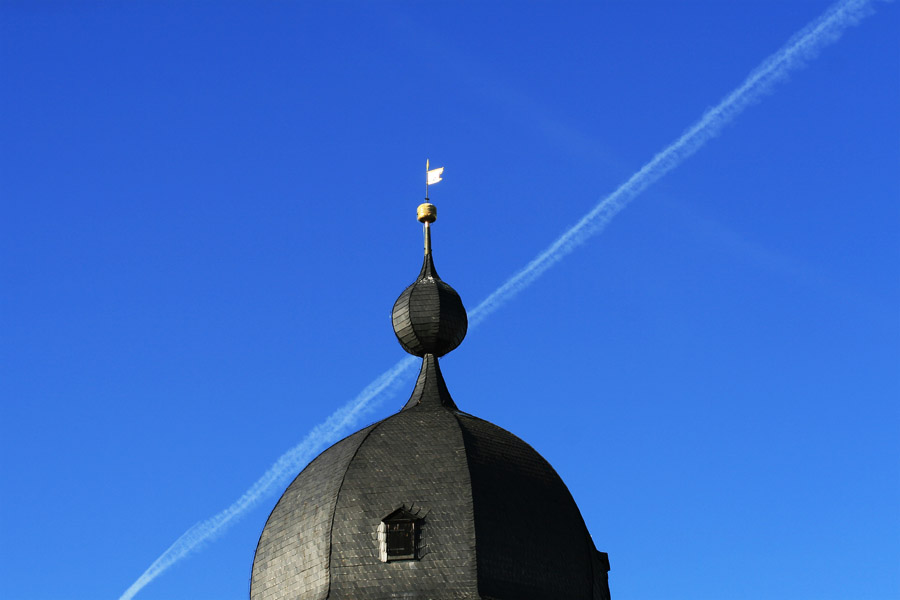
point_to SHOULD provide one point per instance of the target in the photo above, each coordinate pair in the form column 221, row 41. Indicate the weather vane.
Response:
column 432, row 176
column 427, row 212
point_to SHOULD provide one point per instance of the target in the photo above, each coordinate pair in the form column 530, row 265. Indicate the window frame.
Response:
column 405, row 525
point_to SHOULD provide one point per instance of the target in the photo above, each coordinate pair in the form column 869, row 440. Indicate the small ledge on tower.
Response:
column 430, row 388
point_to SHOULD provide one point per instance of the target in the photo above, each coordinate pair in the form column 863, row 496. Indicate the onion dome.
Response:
column 429, row 317
column 430, row 503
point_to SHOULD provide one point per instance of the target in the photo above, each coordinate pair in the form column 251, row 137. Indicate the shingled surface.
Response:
column 414, row 460
column 293, row 555
column 429, row 317
column 496, row 521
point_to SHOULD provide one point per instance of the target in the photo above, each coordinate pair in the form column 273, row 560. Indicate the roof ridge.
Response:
column 462, row 436
column 337, row 497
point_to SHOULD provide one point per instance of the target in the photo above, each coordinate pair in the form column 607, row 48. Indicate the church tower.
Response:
column 431, row 503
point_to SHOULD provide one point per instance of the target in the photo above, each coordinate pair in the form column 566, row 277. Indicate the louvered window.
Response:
column 399, row 534
column 401, row 540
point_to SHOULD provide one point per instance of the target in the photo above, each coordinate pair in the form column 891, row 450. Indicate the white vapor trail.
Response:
column 802, row 46
column 274, row 478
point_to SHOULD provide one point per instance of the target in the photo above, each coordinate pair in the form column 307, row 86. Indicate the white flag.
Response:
column 434, row 175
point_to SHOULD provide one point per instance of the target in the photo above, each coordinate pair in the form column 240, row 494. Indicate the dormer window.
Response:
column 398, row 536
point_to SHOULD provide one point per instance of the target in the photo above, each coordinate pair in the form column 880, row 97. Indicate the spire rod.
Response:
column 427, row 212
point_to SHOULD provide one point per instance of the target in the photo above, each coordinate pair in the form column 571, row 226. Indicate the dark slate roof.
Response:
column 429, row 317
column 497, row 522
column 293, row 555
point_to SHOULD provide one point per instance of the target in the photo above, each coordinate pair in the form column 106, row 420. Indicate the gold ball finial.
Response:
column 426, row 213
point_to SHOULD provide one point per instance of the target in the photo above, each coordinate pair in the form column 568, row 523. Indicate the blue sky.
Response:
column 208, row 212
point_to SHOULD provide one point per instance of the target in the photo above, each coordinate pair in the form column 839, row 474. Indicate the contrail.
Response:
column 803, row 46
column 274, row 478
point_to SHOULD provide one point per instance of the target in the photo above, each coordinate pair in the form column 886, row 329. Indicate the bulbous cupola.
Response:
column 430, row 503
column 429, row 317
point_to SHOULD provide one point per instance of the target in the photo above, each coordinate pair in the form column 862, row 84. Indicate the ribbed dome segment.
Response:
column 497, row 522
column 429, row 317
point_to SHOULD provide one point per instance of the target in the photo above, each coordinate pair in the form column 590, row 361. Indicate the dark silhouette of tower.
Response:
column 431, row 503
